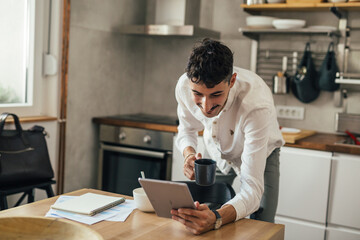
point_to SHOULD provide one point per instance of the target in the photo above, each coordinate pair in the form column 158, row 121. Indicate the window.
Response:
column 16, row 20
column 25, row 28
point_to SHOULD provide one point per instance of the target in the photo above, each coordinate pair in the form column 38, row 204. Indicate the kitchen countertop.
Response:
column 318, row 141
column 326, row 142
column 146, row 121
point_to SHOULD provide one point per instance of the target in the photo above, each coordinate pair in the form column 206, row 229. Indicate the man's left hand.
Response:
column 198, row 220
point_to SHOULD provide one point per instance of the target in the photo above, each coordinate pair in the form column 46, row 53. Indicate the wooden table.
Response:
column 145, row 226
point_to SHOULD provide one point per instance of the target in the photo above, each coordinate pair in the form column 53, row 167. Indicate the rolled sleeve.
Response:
column 253, row 161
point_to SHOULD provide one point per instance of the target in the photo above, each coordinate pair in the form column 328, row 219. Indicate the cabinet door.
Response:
column 344, row 202
column 300, row 230
column 177, row 166
column 342, row 233
column 304, row 184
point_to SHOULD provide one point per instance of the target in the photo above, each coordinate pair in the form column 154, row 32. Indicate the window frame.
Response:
column 38, row 98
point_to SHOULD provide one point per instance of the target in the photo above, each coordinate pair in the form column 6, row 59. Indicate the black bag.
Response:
column 328, row 71
column 305, row 82
column 24, row 157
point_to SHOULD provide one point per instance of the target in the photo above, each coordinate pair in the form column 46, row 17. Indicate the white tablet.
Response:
column 167, row 195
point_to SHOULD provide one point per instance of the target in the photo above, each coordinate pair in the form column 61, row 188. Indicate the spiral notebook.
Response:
column 89, row 204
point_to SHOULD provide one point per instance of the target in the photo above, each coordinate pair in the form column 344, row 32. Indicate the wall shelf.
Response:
column 348, row 6
column 348, row 79
column 253, row 33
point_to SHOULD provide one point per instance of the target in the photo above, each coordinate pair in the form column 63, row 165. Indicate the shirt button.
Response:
column 214, row 136
column 214, row 122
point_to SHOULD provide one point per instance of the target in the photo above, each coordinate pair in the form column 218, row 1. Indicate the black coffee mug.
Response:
column 205, row 172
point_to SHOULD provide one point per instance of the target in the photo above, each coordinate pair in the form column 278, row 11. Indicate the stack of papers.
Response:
column 118, row 213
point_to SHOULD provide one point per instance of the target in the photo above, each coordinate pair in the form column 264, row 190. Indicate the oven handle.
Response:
column 133, row 151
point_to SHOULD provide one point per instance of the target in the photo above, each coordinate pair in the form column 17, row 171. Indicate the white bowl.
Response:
column 142, row 201
column 259, row 21
column 288, row 23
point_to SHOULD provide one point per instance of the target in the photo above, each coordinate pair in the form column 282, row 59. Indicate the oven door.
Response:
column 120, row 167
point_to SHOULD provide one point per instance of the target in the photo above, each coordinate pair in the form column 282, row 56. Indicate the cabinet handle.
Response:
column 133, row 151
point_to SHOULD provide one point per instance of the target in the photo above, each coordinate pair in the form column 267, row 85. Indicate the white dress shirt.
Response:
column 242, row 136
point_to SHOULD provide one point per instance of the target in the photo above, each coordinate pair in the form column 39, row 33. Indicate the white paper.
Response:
column 123, row 211
column 117, row 213
column 52, row 212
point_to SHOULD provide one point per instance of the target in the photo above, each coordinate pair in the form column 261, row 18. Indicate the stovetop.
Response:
column 348, row 141
column 148, row 118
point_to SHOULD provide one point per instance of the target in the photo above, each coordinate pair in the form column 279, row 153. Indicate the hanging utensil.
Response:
column 357, row 142
column 281, row 79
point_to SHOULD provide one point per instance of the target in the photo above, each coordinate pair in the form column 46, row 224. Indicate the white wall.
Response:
column 105, row 78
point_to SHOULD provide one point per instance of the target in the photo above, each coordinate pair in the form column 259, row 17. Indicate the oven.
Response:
column 126, row 151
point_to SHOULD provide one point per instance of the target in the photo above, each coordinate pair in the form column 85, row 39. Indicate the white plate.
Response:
column 290, row 130
column 288, row 23
column 260, row 21
column 326, row 28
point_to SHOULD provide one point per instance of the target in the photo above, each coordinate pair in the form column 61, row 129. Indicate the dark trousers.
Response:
column 269, row 199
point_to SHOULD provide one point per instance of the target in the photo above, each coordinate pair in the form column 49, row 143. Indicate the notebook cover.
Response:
column 89, row 204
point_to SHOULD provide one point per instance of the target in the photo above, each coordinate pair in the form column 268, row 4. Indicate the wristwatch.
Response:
column 218, row 220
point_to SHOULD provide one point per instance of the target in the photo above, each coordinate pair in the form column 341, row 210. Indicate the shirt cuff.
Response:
column 183, row 143
column 239, row 208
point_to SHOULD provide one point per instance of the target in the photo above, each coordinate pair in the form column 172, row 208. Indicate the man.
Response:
column 235, row 109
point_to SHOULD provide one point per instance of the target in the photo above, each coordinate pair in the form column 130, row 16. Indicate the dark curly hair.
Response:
column 210, row 63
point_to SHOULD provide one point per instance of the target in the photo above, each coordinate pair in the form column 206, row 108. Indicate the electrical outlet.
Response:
column 290, row 112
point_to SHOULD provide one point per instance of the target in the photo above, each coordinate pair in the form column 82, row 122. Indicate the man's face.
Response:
column 211, row 100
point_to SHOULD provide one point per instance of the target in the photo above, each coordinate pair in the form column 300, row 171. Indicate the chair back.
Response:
column 214, row 196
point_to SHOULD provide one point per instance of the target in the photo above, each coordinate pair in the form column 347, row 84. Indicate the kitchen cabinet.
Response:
column 303, row 192
column 344, row 198
column 342, row 233
column 299, row 230
column 319, row 196
column 177, row 165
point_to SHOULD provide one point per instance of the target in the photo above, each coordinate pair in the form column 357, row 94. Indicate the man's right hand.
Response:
column 189, row 165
